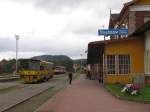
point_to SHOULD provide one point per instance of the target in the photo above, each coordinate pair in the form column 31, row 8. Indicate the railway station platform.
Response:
column 89, row 96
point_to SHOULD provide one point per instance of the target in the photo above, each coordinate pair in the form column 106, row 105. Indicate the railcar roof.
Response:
column 29, row 60
column 36, row 60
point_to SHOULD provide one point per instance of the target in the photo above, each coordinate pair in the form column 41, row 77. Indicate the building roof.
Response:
column 126, row 6
column 96, row 43
column 113, row 19
column 96, row 49
column 29, row 60
column 145, row 27
column 34, row 60
column 115, row 16
column 95, row 52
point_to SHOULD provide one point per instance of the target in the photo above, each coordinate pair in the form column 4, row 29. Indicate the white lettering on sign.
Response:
column 108, row 32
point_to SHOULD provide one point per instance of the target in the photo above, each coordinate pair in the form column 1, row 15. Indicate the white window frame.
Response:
column 125, row 63
column 109, row 63
column 117, row 64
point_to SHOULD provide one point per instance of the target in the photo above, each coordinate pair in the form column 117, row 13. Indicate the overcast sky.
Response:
column 57, row 27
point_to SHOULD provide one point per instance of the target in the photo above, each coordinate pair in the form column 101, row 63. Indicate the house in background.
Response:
column 121, row 57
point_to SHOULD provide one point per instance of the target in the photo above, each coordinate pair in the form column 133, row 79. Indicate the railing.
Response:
column 125, row 79
column 9, row 78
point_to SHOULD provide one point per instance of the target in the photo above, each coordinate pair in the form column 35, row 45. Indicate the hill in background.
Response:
column 60, row 60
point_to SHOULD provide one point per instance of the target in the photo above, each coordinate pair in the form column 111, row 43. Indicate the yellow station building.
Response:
column 124, row 58
column 120, row 58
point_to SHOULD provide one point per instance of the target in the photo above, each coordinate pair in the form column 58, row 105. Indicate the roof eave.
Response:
column 142, row 29
column 126, row 6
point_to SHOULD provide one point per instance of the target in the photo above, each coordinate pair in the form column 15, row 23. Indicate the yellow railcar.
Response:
column 33, row 71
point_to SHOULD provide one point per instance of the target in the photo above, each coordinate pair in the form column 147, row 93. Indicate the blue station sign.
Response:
column 109, row 32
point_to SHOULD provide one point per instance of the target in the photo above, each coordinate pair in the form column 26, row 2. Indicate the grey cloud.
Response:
column 84, row 29
column 7, row 44
column 55, row 5
column 51, row 5
column 99, row 5
column 86, row 26
column 58, row 5
column 44, row 46
column 56, row 45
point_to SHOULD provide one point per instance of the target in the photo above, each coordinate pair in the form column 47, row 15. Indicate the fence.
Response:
column 126, row 79
column 147, row 79
column 123, row 79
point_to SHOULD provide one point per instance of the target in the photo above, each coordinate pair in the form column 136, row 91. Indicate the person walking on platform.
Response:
column 70, row 77
column 89, row 75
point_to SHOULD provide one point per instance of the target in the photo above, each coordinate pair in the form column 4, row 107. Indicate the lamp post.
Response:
column 104, row 58
column 103, row 29
column 17, row 38
column 81, row 60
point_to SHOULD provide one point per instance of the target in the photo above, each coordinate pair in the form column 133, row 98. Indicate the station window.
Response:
column 124, row 64
column 111, row 64
column 118, row 64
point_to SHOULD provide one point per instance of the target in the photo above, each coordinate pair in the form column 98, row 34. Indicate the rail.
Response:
column 9, row 78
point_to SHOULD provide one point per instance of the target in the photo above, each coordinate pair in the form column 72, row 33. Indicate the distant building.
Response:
column 76, row 67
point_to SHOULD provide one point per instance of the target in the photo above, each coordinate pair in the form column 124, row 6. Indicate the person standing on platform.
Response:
column 70, row 77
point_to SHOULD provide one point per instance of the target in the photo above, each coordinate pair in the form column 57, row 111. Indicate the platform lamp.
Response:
column 17, row 38
column 81, row 59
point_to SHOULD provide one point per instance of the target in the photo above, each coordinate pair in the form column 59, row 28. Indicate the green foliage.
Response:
column 7, row 66
column 116, row 90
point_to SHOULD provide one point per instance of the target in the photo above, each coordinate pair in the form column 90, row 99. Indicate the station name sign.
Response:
column 109, row 32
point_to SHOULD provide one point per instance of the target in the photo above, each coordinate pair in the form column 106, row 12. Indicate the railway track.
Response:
column 9, row 78
column 15, row 105
column 22, row 94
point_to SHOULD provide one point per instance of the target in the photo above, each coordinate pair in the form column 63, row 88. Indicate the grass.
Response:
column 6, row 90
column 144, row 96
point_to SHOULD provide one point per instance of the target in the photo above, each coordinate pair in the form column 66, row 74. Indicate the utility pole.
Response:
column 81, row 60
column 104, row 57
column 17, row 38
